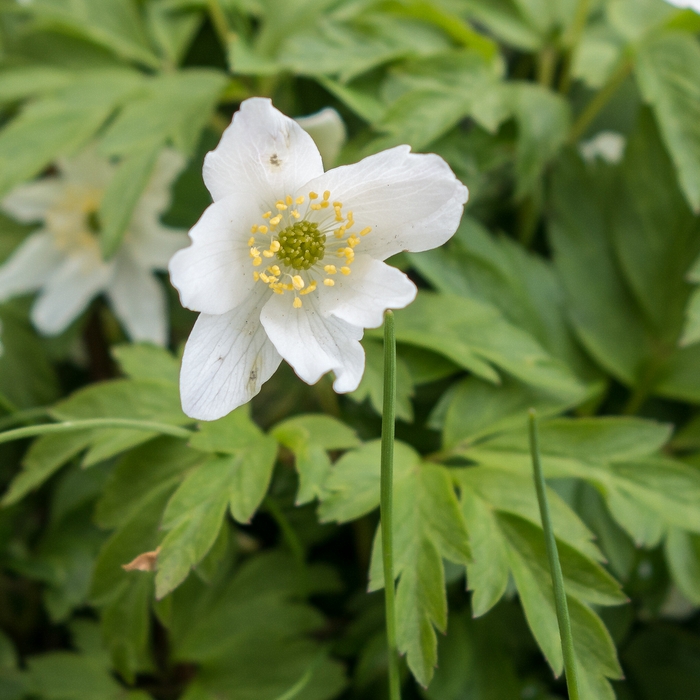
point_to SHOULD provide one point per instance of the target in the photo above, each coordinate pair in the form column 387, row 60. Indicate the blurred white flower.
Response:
column 606, row 145
column 287, row 262
column 327, row 129
column 690, row 4
column 62, row 260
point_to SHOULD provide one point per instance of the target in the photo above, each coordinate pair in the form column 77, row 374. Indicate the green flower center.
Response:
column 302, row 245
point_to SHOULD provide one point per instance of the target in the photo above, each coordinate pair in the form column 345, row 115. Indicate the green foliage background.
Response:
column 570, row 286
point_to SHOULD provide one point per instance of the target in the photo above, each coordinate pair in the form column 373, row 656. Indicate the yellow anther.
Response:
column 254, row 252
column 275, row 246
column 288, row 199
column 298, row 282
column 294, row 213
column 329, row 282
column 251, row 240
column 353, row 241
column 256, row 275
column 275, row 270
column 345, row 270
column 277, row 290
column 338, row 204
column 341, row 252
column 365, row 231
column 257, row 261
column 267, row 215
column 272, row 281
column 313, row 195
column 299, row 200
column 316, row 207
column 253, row 228
column 327, row 195
column 340, row 232
column 262, row 229
column 325, row 205
column 309, row 289
column 268, row 253
column 338, row 215
column 264, row 277
column 297, row 303
column 281, row 206
column 275, row 220
column 329, row 269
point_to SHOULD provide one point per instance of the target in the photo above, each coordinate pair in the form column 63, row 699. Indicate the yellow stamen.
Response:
column 262, row 229
column 325, row 205
column 329, row 269
column 327, row 195
column 338, row 204
column 288, row 199
column 294, row 213
column 297, row 303
column 275, row 270
column 268, row 253
column 251, row 240
column 329, row 282
column 257, row 261
column 264, row 277
column 298, row 282
column 345, row 270
column 313, row 195
column 299, row 200
column 253, row 228
column 281, row 206
column 256, row 275
column 267, row 215
column 365, row 231
column 275, row 246
column 254, row 252
column 316, row 207
column 309, row 289
column 353, row 241
column 275, row 220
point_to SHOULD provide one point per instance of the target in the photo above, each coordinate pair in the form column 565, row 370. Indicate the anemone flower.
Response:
column 288, row 260
column 62, row 260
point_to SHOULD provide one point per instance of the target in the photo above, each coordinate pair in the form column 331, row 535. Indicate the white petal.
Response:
column 156, row 245
column 262, row 154
column 68, row 291
column 215, row 274
column 327, row 129
column 227, row 359
column 412, row 201
column 313, row 344
column 87, row 168
column 28, row 267
column 366, row 293
column 139, row 302
column 29, row 203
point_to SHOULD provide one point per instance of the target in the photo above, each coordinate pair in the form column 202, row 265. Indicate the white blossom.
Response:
column 327, row 129
column 62, row 259
column 609, row 146
column 690, row 4
column 287, row 261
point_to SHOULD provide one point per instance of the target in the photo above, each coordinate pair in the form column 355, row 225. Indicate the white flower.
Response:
column 287, row 262
column 327, row 129
column 690, row 4
column 62, row 260
column 609, row 146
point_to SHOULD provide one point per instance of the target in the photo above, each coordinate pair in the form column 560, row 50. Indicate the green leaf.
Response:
column 146, row 361
column 114, row 24
column 474, row 334
column 62, row 122
column 683, row 556
column 195, row 513
column 173, row 26
column 27, row 81
column 174, row 106
column 309, row 437
column 123, row 193
column 668, row 73
column 543, row 125
column 428, row 527
column 227, row 435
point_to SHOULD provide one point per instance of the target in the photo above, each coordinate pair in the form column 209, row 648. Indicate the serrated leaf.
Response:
column 227, row 435
column 309, row 437
column 683, row 556
column 668, row 72
column 146, row 361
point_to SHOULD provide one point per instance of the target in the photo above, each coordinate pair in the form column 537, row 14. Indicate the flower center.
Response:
column 302, row 245
column 301, row 240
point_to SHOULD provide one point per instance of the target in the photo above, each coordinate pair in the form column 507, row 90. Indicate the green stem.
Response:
column 218, row 19
column 28, row 415
column 562, row 607
column 601, row 98
column 387, row 498
column 68, row 426
column 572, row 41
column 546, row 65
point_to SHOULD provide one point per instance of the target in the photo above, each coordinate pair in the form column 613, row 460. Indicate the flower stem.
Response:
column 562, row 607
column 220, row 23
column 28, row 415
column 91, row 423
column 599, row 101
column 572, row 41
column 386, row 500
